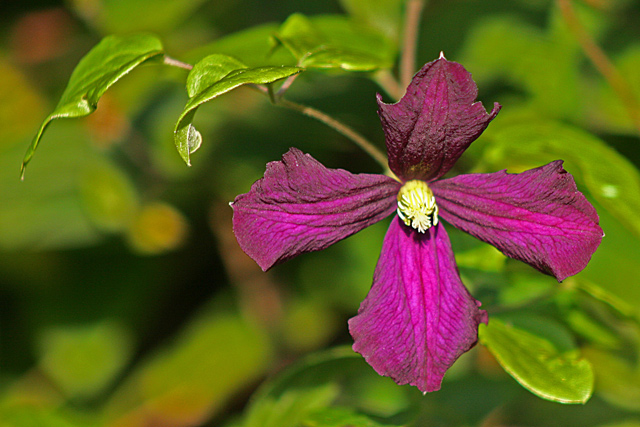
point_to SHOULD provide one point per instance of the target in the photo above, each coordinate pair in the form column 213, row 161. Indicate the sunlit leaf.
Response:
column 537, row 364
column 126, row 16
column 36, row 416
column 289, row 409
column 385, row 15
column 253, row 46
column 339, row 417
column 484, row 258
column 610, row 178
column 308, row 389
column 334, row 42
column 48, row 211
column 618, row 380
column 211, row 360
column 607, row 110
column 82, row 361
column 548, row 73
column 107, row 62
column 210, row 71
column 206, row 84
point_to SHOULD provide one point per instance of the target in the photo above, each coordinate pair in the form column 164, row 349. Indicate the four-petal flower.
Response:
column 418, row 317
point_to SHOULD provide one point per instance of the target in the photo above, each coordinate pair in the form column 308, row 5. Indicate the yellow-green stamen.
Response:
column 417, row 206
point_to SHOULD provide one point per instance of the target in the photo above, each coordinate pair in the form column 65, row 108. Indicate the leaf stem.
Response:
column 412, row 16
column 602, row 63
column 175, row 63
column 345, row 130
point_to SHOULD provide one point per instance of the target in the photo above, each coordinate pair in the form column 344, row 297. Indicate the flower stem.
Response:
column 167, row 60
column 597, row 56
column 412, row 16
column 345, row 130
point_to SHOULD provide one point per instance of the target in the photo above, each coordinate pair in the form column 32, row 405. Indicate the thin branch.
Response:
column 175, row 63
column 597, row 56
column 285, row 86
column 389, row 84
column 345, row 130
column 413, row 13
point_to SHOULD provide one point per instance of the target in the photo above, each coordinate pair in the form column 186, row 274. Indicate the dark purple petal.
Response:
column 418, row 317
column 434, row 122
column 537, row 216
column 301, row 206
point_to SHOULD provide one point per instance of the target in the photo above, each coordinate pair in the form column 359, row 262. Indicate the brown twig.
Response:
column 413, row 13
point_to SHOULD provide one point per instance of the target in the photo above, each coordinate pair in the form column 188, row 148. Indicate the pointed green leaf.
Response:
column 210, row 78
column 537, row 364
column 107, row 62
column 334, row 42
column 209, row 71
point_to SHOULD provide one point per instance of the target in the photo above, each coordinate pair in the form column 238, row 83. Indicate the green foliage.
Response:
column 213, row 76
column 84, row 360
column 537, row 364
column 105, row 64
column 215, row 356
column 112, row 244
column 334, row 42
column 384, row 15
column 305, row 394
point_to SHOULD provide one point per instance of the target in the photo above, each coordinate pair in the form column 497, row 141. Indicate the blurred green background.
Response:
column 125, row 300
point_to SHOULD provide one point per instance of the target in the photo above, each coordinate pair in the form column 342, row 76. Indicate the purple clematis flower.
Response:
column 418, row 317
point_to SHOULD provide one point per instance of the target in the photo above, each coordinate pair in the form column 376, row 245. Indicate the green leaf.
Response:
column 289, row 409
column 84, row 360
column 384, row 15
column 531, row 72
column 334, row 42
column 537, row 365
column 107, row 62
column 618, row 379
column 610, row 178
column 253, row 46
column 35, row 415
column 215, row 357
column 308, row 389
column 608, row 110
column 127, row 16
column 339, row 417
column 209, row 71
column 205, row 83
column 50, row 209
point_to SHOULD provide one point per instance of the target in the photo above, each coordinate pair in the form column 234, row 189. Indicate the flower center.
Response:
column 417, row 205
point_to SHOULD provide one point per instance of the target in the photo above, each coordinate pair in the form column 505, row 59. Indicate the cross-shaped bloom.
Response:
column 418, row 317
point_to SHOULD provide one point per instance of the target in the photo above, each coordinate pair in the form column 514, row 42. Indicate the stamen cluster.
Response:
column 417, row 205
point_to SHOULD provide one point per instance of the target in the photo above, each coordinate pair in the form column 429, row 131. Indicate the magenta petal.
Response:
column 537, row 216
column 301, row 206
column 434, row 122
column 418, row 317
